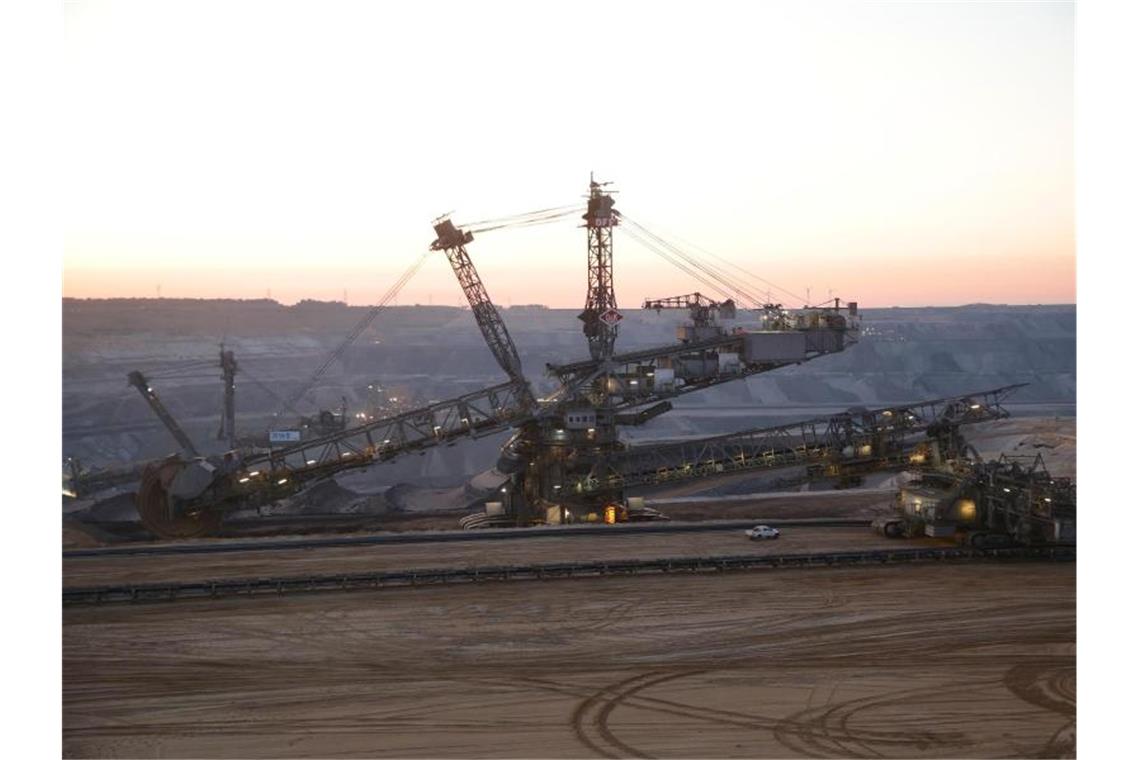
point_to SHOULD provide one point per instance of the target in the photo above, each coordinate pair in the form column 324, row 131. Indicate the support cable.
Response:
column 174, row 370
column 529, row 221
column 709, row 269
column 654, row 248
column 360, row 327
column 714, row 271
column 742, row 270
column 513, row 218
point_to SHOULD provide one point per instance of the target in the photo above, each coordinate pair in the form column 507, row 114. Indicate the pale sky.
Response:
column 894, row 153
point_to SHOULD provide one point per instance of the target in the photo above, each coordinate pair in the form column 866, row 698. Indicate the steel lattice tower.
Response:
column 600, row 317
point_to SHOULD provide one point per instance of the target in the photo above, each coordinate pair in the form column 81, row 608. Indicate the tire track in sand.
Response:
column 590, row 719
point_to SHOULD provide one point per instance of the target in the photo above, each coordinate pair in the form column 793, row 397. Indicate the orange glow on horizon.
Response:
column 873, row 282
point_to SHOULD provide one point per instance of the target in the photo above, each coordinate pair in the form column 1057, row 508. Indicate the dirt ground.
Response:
column 917, row 661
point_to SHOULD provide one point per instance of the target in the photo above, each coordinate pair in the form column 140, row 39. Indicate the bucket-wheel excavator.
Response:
column 566, row 458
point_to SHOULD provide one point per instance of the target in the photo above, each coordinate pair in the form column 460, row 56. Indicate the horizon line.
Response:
column 466, row 307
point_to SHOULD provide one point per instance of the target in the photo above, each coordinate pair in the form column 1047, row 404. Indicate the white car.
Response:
column 761, row 532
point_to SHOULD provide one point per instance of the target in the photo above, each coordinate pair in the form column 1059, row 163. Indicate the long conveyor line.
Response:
column 158, row 592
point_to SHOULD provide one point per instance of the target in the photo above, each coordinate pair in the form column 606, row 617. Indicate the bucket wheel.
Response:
column 159, row 512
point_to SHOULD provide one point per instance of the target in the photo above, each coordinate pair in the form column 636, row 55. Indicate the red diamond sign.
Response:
column 610, row 317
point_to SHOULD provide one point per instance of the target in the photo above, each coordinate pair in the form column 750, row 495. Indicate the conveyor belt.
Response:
column 158, row 592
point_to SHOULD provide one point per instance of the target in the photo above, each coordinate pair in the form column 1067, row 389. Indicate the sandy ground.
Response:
column 911, row 661
column 94, row 571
